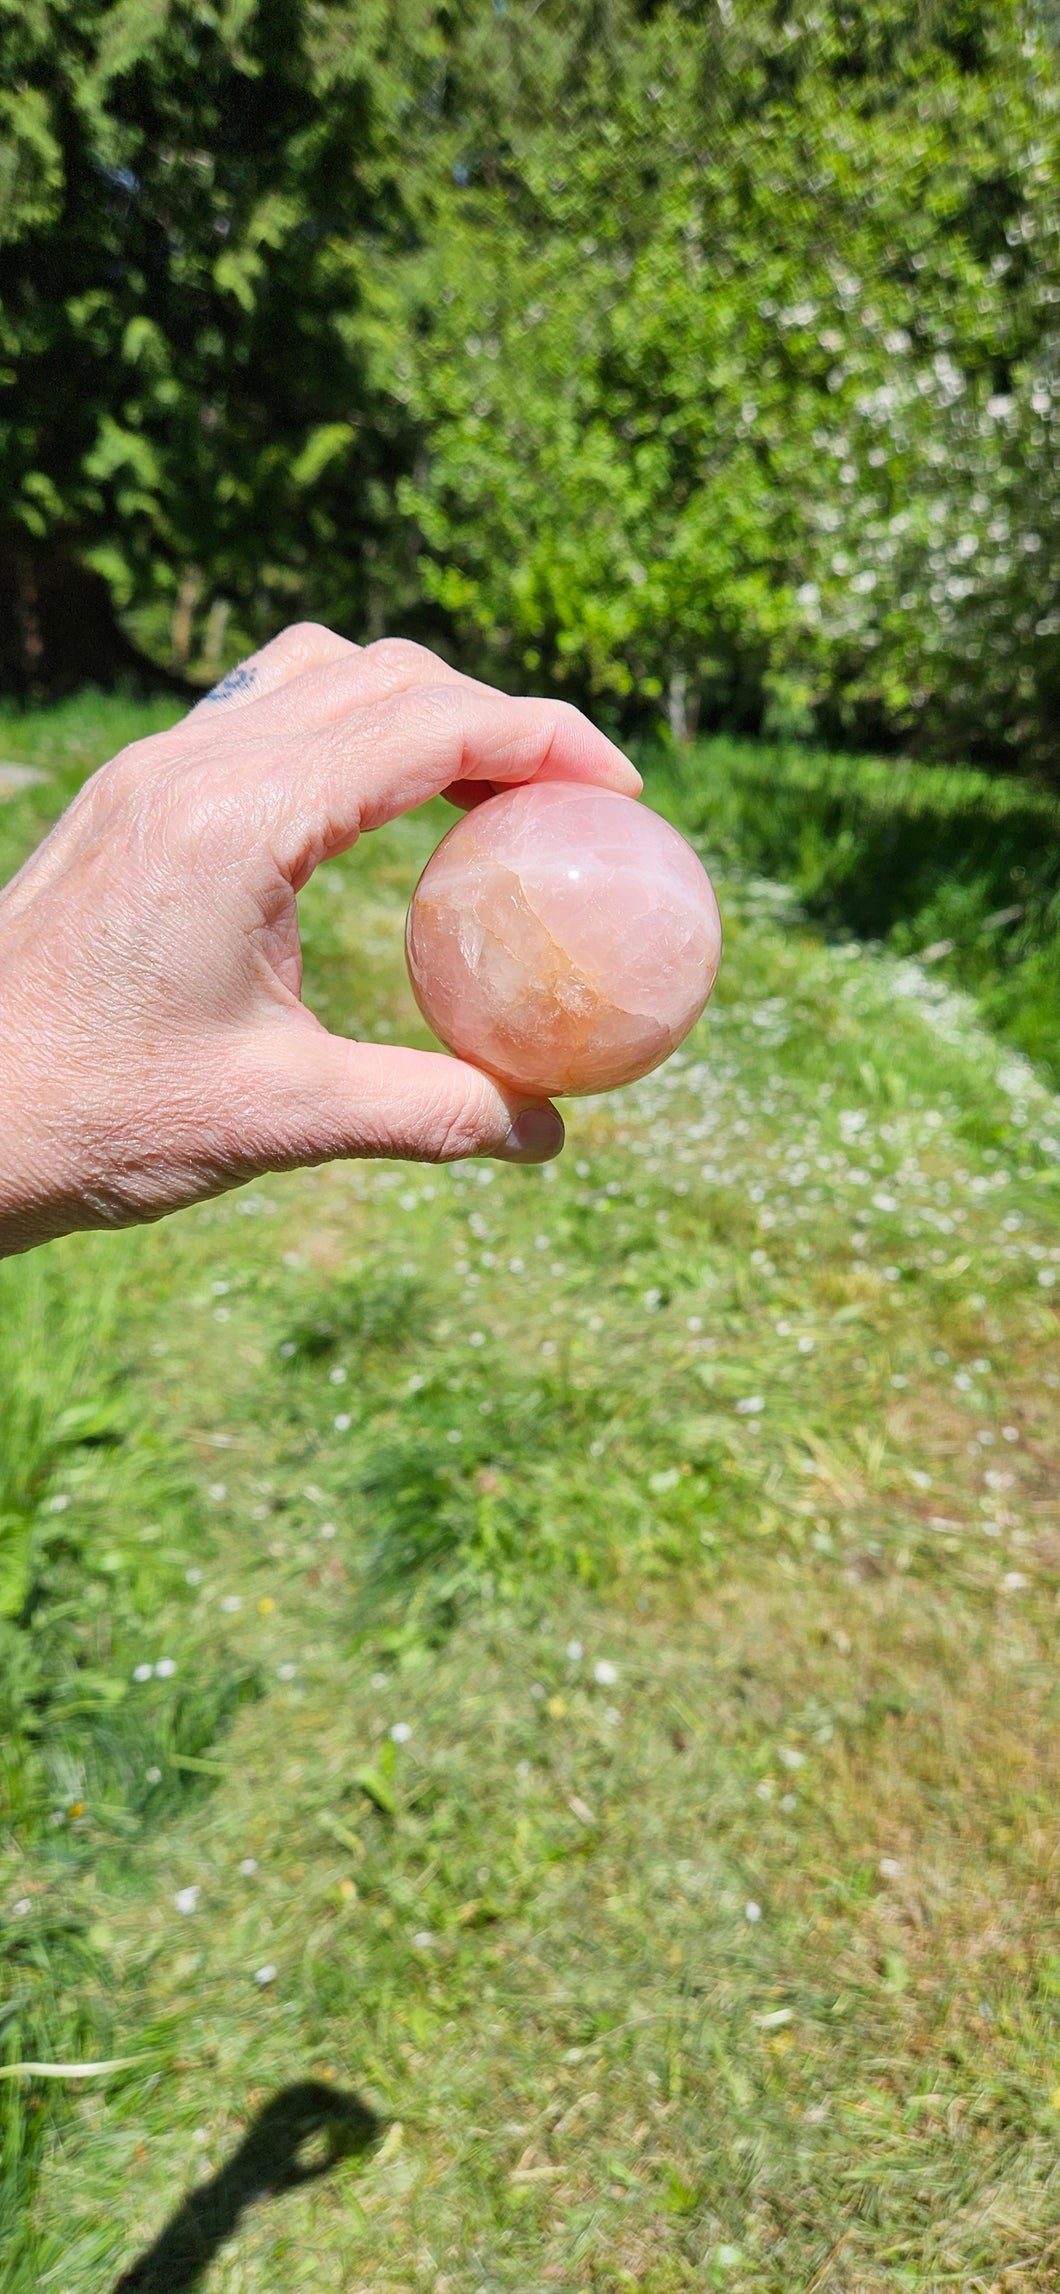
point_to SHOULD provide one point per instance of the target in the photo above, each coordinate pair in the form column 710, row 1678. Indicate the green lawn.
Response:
column 597, row 1699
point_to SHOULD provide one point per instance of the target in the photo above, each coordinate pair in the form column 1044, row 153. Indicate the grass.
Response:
column 958, row 864
column 602, row 1709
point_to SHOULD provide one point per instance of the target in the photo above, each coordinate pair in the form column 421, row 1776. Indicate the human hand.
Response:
column 154, row 1048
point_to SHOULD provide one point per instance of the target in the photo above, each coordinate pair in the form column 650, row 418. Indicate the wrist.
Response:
column 41, row 1126
column 35, row 1203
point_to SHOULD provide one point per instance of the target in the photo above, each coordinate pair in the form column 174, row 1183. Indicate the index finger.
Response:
column 364, row 769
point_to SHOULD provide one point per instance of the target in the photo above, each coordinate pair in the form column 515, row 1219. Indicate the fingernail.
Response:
column 535, row 1136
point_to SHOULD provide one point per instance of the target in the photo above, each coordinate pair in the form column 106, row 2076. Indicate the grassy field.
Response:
column 958, row 866
column 530, row 1697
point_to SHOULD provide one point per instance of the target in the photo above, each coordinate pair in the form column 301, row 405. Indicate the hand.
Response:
column 154, row 1048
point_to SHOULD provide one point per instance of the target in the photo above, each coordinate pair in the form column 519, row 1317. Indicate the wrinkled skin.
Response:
column 154, row 1048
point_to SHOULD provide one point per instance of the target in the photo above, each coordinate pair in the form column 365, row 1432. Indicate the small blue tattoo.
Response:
column 237, row 681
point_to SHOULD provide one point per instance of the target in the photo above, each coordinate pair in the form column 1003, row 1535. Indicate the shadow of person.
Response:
column 305, row 2131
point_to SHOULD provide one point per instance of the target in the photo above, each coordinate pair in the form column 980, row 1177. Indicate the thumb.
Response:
column 320, row 1097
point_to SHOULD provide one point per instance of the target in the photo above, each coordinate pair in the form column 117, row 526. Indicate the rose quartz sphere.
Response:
column 563, row 938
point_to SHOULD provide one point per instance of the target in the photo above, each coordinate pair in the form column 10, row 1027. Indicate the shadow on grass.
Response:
column 305, row 2131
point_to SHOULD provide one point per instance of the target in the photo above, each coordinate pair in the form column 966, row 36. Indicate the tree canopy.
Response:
column 680, row 358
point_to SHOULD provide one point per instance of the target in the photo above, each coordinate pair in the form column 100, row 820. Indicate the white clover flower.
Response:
column 605, row 1673
column 752, row 1912
column 401, row 1732
column 142, row 1672
column 165, row 1668
column 187, row 1899
column 266, row 1974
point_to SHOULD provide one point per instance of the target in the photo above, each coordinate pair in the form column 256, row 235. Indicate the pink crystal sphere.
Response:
column 563, row 938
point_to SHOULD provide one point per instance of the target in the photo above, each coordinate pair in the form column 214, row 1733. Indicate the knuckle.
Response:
column 449, row 703
column 299, row 636
column 567, row 715
column 134, row 768
column 402, row 655
column 305, row 644
column 460, row 1131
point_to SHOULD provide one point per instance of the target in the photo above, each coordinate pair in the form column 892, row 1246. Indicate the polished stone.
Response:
column 563, row 938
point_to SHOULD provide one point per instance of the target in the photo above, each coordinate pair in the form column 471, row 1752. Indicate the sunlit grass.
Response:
column 960, row 865
column 650, row 1569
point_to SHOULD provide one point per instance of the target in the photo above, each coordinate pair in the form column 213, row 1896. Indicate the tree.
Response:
column 711, row 353
column 190, row 196
column 687, row 359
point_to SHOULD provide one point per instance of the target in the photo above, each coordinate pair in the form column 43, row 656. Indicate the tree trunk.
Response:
column 216, row 629
column 189, row 591
column 677, row 706
column 682, row 708
column 59, row 630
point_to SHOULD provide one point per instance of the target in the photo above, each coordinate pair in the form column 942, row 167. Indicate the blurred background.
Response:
column 694, row 361
column 561, row 1662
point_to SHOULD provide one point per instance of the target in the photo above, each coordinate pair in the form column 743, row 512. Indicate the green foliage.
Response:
column 937, row 861
column 737, row 369
column 667, row 356
column 192, row 196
